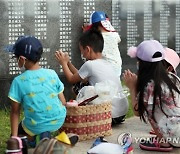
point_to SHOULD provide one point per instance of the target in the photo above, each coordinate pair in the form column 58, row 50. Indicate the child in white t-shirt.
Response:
column 94, row 70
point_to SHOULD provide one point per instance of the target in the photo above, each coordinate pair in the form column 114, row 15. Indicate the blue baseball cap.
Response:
column 100, row 16
column 27, row 46
column 97, row 16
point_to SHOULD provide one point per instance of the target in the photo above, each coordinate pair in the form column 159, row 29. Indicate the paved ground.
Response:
column 132, row 125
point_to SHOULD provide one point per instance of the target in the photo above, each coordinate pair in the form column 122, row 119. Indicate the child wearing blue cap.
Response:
column 38, row 91
column 100, row 21
column 155, row 95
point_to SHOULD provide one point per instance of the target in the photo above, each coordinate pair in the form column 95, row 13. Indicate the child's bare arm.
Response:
column 63, row 59
column 134, row 101
column 14, row 117
column 72, row 68
column 72, row 78
column 130, row 79
column 62, row 98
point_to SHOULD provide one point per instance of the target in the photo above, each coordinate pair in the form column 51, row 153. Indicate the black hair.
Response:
column 156, row 72
column 167, row 65
column 37, row 56
column 96, row 25
column 92, row 38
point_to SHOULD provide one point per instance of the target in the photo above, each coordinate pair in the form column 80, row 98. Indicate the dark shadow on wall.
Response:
column 4, row 86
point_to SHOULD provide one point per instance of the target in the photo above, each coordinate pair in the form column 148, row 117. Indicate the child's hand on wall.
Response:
column 86, row 27
column 61, row 57
column 66, row 56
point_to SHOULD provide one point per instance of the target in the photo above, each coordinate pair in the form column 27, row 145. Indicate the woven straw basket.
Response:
column 89, row 121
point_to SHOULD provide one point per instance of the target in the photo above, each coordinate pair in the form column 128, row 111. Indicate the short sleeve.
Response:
column 59, row 84
column 86, row 70
column 15, row 93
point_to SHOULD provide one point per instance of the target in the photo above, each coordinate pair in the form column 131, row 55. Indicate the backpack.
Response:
column 52, row 146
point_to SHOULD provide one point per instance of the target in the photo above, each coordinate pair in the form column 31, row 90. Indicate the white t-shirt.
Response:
column 111, row 51
column 97, row 71
column 100, row 70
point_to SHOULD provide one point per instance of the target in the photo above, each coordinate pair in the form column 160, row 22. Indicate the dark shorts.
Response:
column 21, row 130
column 118, row 120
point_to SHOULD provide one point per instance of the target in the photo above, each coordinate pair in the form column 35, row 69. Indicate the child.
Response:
column 37, row 90
column 171, row 61
column 111, row 53
column 94, row 70
column 155, row 96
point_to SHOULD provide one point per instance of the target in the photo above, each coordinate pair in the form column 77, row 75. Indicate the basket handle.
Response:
column 86, row 101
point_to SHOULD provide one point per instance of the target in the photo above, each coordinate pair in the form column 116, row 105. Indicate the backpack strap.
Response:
column 40, row 143
column 50, row 146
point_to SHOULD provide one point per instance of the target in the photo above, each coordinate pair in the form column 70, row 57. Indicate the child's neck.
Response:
column 96, row 56
column 32, row 66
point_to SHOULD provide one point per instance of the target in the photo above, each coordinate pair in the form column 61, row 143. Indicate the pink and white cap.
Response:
column 172, row 58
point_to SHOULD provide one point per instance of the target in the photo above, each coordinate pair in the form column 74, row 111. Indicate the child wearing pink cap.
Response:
column 155, row 96
column 172, row 60
column 100, row 21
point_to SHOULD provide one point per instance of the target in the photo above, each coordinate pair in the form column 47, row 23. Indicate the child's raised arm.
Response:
column 63, row 59
column 130, row 80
